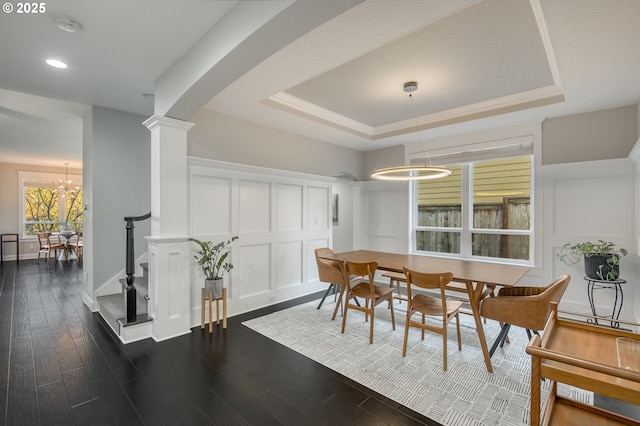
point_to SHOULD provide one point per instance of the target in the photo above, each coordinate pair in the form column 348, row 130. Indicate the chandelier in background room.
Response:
column 414, row 172
column 66, row 185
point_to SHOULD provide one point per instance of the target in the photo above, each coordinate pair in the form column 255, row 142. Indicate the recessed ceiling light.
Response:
column 56, row 63
column 68, row 24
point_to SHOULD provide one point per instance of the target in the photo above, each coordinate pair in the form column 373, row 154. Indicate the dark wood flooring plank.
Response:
column 47, row 370
column 229, row 377
column 53, row 404
column 79, row 387
column 22, row 400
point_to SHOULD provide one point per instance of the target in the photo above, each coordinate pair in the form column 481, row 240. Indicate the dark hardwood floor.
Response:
column 59, row 365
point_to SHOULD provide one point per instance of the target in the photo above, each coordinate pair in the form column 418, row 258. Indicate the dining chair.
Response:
column 526, row 307
column 330, row 271
column 367, row 290
column 76, row 244
column 426, row 305
column 47, row 243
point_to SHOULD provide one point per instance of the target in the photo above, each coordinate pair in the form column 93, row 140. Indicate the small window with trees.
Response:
column 48, row 202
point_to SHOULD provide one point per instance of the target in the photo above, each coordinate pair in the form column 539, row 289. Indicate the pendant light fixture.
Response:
column 409, row 173
column 66, row 185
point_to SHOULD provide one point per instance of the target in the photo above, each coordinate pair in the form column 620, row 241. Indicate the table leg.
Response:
column 339, row 303
column 475, row 296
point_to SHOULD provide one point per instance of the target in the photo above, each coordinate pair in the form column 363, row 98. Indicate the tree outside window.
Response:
column 46, row 207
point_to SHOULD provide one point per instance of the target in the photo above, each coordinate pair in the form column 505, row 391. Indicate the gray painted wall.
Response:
column 120, row 166
column 598, row 135
column 221, row 137
column 381, row 158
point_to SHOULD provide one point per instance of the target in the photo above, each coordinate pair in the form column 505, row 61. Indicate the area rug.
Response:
column 466, row 394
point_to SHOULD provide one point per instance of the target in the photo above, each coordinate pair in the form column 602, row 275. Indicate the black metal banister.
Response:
column 130, row 292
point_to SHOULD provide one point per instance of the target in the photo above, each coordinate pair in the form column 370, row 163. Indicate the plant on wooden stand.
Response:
column 601, row 259
column 212, row 258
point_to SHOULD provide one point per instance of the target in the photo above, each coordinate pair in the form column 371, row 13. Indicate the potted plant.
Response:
column 601, row 259
column 212, row 258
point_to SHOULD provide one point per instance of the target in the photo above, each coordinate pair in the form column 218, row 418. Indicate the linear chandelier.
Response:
column 410, row 173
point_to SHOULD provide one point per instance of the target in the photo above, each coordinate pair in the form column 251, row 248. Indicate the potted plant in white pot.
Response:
column 601, row 259
column 212, row 259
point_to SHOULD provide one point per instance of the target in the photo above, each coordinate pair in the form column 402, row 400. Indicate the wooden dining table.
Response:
column 479, row 278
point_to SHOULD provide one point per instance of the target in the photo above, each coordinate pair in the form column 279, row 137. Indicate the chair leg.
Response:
column 345, row 309
column 373, row 308
column 500, row 339
column 326, row 293
column 458, row 330
column 399, row 291
column 393, row 319
column 444, row 344
column 406, row 331
column 422, row 329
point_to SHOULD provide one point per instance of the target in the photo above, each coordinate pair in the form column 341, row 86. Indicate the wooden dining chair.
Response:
column 422, row 304
column 526, row 307
column 48, row 243
column 76, row 244
column 367, row 290
column 330, row 272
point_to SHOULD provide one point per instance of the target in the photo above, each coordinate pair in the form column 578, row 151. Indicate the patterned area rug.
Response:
column 466, row 394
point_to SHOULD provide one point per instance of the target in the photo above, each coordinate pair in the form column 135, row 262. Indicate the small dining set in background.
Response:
column 66, row 245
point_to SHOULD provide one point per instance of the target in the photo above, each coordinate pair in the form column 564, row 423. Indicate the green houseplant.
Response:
column 212, row 258
column 601, row 259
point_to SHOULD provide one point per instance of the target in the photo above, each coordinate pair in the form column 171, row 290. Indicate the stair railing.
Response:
column 131, row 292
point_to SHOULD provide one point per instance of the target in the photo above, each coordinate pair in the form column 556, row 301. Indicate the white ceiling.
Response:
column 478, row 64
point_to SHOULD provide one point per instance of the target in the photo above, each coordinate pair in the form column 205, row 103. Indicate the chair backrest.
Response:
column 537, row 318
column 525, row 309
column 43, row 238
column 427, row 280
column 329, row 271
column 363, row 269
column 556, row 289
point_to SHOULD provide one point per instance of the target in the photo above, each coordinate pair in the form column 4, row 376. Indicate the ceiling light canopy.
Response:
column 409, row 173
column 68, row 24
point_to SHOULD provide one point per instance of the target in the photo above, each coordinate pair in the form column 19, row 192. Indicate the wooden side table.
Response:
column 209, row 298
column 16, row 239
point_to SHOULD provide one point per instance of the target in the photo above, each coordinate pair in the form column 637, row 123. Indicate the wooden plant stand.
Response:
column 209, row 298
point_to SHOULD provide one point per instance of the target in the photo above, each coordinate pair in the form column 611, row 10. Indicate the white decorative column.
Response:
column 169, row 249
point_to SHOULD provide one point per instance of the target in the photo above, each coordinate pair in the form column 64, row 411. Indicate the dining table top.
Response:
column 463, row 270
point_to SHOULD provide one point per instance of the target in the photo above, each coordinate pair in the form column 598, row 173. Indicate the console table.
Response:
column 16, row 239
column 584, row 356
column 616, row 285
